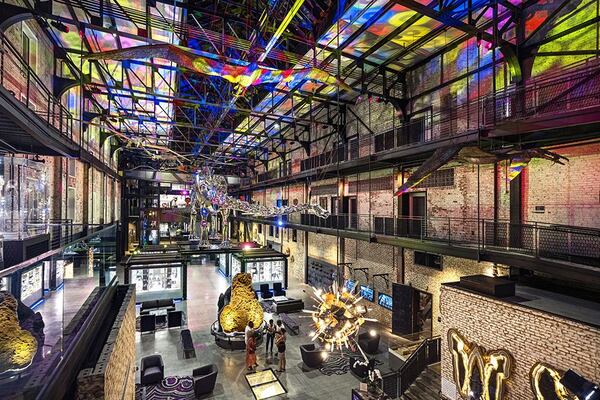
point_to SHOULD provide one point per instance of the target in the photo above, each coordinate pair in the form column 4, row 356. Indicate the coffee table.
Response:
column 279, row 299
column 161, row 315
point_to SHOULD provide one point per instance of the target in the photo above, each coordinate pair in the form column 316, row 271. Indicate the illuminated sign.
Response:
column 478, row 373
column 546, row 385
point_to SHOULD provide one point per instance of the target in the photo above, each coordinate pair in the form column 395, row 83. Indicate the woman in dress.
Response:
column 251, row 352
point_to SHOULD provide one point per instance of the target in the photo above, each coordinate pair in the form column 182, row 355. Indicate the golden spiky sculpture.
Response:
column 17, row 346
column 243, row 307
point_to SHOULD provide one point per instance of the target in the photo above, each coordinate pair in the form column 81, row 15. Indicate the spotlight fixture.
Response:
column 579, row 386
column 60, row 26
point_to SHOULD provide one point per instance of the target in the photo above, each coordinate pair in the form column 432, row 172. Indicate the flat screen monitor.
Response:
column 367, row 293
column 350, row 285
column 384, row 300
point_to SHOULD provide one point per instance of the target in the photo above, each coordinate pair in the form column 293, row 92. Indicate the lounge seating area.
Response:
column 152, row 372
column 152, row 305
column 266, row 292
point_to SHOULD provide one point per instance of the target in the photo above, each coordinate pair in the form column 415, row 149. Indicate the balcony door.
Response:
column 350, row 208
column 413, row 211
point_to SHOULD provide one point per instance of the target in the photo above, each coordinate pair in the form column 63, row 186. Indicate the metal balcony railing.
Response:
column 18, row 77
column 568, row 243
column 571, row 89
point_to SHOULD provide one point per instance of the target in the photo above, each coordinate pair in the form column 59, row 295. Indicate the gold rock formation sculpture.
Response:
column 243, row 306
column 17, row 346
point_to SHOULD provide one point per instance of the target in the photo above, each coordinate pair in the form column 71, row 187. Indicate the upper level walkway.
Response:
column 564, row 251
column 554, row 108
column 33, row 119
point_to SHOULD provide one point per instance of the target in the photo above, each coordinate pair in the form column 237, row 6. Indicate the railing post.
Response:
column 536, row 239
column 449, row 230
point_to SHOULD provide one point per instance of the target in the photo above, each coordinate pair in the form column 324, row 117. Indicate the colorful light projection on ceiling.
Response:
column 242, row 75
column 127, row 90
column 492, row 368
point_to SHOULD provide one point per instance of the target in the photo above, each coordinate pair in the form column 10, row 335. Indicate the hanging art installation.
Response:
column 518, row 159
column 209, row 197
column 239, row 73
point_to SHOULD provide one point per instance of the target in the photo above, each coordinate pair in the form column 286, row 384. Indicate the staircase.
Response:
column 427, row 386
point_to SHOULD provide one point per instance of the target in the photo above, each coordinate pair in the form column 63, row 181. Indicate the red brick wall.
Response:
column 569, row 193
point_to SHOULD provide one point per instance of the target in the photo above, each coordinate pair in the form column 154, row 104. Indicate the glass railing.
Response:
column 47, row 297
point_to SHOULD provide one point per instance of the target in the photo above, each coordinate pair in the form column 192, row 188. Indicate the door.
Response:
column 417, row 210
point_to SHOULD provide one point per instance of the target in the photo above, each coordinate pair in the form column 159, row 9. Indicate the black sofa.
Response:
column 152, row 370
column 312, row 357
column 289, row 306
column 369, row 342
column 149, row 305
column 205, row 379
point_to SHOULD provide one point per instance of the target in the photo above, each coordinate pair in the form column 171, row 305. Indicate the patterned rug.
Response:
column 335, row 365
column 171, row 388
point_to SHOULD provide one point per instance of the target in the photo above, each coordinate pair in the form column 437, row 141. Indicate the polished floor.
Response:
column 60, row 306
column 204, row 286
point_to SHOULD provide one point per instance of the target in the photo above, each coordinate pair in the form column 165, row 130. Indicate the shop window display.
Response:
column 24, row 197
column 5, row 284
column 31, row 285
column 162, row 281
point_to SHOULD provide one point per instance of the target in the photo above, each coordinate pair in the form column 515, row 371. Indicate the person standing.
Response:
column 249, row 329
column 271, row 329
column 278, row 329
column 280, row 340
column 251, row 352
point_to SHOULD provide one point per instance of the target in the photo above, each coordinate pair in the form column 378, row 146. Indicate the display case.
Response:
column 265, row 265
column 5, row 284
column 157, row 276
column 32, row 285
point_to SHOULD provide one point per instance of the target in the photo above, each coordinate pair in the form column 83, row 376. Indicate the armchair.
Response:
column 311, row 356
column 265, row 292
column 152, row 370
column 277, row 289
column 205, row 379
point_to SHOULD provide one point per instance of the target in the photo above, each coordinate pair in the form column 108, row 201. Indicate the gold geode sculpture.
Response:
column 243, row 306
column 18, row 347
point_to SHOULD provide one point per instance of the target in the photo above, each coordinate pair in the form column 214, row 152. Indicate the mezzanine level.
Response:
column 567, row 252
column 555, row 108
column 33, row 119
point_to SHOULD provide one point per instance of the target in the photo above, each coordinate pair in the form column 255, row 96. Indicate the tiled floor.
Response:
column 204, row 287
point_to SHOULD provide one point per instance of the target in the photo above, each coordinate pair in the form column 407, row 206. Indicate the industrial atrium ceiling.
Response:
column 250, row 80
